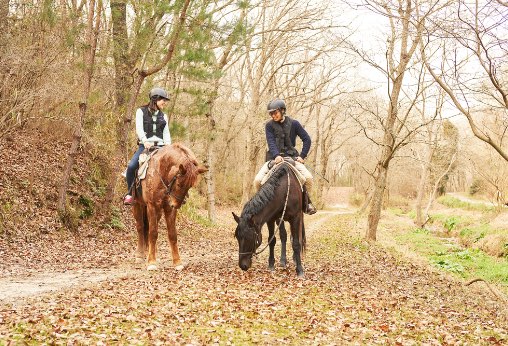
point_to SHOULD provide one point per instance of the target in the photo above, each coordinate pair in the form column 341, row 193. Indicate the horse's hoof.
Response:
column 271, row 268
column 152, row 267
column 301, row 274
column 283, row 264
column 179, row 267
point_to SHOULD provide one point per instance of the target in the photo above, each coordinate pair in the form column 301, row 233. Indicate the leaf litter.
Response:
column 353, row 293
column 58, row 287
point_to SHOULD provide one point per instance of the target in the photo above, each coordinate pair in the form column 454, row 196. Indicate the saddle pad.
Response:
column 299, row 176
column 143, row 163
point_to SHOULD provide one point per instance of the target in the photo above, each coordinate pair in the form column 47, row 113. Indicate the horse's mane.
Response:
column 265, row 194
column 188, row 160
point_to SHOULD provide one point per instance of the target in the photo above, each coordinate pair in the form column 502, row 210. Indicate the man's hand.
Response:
column 299, row 159
column 278, row 159
column 148, row 145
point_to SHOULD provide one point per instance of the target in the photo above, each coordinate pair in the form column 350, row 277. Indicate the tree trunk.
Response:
column 4, row 30
column 320, row 181
column 323, row 157
column 209, row 163
column 253, row 147
column 89, row 61
column 436, row 185
column 421, row 188
column 122, row 71
column 210, row 183
column 376, row 202
column 71, row 158
column 4, row 15
column 120, row 50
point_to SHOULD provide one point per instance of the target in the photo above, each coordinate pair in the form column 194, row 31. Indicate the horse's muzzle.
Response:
column 245, row 263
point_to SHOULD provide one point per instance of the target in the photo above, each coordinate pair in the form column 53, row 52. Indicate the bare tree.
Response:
column 407, row 19
column 92, row 34
column 440, row 146
column 493, row 175
column 288, row 38
column 471, row 66
column 232, row 38
column 142, row 72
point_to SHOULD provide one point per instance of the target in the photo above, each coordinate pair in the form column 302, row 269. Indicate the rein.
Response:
column 255, row 253
column 169, row 187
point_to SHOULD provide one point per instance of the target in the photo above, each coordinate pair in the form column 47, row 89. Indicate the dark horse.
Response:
column 172, row 171
column 280, row 196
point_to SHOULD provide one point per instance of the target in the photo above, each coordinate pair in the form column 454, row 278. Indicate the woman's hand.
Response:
column 148, row 145
column 299, row 159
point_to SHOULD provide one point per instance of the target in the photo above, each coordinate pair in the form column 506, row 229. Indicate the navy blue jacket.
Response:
column 296, row 130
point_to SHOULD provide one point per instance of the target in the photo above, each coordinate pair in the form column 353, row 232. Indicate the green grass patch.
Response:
column 191, row 212
column 453, row 202
column 457, row 220
column 464, row 262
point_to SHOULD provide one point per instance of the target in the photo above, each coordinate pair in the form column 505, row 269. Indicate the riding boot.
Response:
column 308, row 208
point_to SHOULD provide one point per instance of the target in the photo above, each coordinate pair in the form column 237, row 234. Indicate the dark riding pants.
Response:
column 132, row 166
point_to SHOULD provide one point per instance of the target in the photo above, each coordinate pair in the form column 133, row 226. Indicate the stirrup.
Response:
column 311, row 210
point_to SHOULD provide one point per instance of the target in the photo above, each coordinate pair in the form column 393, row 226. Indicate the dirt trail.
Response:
column 13, row 288
column 353, row 293
column 26, row 285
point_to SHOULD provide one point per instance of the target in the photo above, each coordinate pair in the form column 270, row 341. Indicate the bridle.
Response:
column 169, row 187
column 255, row 253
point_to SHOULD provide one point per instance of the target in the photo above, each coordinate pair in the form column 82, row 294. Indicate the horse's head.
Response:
column 248, row 234
column 184, row 176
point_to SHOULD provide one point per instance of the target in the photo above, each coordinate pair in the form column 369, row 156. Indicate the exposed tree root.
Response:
column 500, row 298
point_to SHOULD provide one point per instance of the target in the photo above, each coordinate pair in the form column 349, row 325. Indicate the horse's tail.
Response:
column 303, row 240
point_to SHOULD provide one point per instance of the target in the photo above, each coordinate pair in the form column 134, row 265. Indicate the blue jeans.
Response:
column 132, row 166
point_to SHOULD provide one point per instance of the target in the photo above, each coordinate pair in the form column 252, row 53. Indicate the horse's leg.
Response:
column 139, row 214
column 170, row 216
column 296, row 229
column 283, row 234
column 271, row 232
column 145, row 231
column 154, row 216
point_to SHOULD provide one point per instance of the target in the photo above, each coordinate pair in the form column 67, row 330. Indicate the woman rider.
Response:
column 152, row 129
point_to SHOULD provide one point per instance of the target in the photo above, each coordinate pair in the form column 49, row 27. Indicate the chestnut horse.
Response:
column 172, row 171
column 280, row 197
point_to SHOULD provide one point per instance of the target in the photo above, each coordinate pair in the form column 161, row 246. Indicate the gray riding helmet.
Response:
column 276, row 104
column 160, row 93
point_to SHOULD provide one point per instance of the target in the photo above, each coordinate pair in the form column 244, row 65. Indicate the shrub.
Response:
column 70, row 218
column 450, row 224
column 494, row 244
column 475, row 187
column 87, row 207
column 356, row 199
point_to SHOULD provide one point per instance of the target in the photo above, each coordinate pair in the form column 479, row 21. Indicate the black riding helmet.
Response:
column 275, row 105
column 158, row 93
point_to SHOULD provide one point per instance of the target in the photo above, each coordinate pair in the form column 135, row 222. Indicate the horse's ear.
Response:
column 202, row 169
column 182, row 170
column 237, row 219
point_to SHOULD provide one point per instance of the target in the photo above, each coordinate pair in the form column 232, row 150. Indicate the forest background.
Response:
column 404, row 100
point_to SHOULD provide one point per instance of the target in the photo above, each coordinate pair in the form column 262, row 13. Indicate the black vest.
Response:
column 282, row 138
column 148, row 123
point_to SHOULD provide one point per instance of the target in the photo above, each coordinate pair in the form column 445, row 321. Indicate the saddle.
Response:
column 144, row 160
column 291, row 164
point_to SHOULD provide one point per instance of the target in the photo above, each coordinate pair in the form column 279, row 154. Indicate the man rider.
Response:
column 281, row 133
